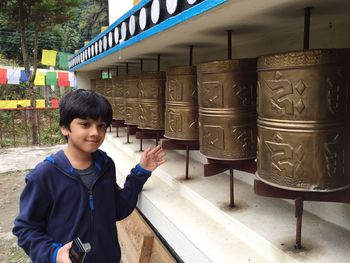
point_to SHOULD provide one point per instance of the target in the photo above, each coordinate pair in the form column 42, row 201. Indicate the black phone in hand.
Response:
column 78, row 250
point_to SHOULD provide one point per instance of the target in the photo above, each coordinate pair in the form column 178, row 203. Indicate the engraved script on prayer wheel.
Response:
column 151, row 95
column 100, row 86
column 227, row 109
column 108, row 90
column 118, row 100
column 131, row 94
column 181, row 113
column 304, row 120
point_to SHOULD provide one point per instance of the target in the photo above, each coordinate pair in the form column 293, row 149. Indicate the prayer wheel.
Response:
column 118, row 100
column 304, row 120
column 151, row 95
column 100, row 86
column 181, row 113
column 131, row 95
column 108, row 90
column 227, row 109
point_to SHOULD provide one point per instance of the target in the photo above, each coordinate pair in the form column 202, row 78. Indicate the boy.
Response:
column 73, row 193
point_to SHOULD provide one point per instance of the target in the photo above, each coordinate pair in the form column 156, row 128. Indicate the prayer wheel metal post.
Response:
column 232, row 189
column 263, row 189
column 299, row 216
column 229, row 44
column 191, row 56
column 171, row 144
column 187, row 161
column 307, row 27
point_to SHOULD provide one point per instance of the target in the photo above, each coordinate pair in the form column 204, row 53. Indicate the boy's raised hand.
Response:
column 151, row 158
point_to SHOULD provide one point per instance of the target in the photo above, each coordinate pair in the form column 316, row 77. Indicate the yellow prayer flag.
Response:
column 76, row 51
column 103, row 28
column 136, row 2
column 86, row 42
column 48, row 57
column 40, row 103
column 39, row 79
column 13, row 104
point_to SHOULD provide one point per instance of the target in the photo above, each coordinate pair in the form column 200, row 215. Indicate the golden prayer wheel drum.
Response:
column 132, row 104
column 181, row 112
column 108, row 90
column 151, row 95
column 100, row 86
column 118, row 99
column 227, row 109
column 304, row 120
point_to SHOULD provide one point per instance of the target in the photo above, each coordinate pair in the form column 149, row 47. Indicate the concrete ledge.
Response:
column 194, row 217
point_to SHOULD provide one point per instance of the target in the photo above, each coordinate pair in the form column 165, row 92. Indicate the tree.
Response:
column 94, row 15
column 32, row 17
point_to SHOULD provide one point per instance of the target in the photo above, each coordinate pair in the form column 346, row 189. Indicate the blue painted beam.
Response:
column 187, row 14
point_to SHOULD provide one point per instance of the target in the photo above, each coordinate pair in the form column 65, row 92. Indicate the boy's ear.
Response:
column 64, row 130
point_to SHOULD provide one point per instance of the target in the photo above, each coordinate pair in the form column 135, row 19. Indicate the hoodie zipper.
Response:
column 90, row 198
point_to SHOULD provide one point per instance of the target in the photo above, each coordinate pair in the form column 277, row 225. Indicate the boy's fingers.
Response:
column 146, row 152
column 155, row 149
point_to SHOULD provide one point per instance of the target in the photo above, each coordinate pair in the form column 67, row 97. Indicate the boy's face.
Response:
column 85, row 135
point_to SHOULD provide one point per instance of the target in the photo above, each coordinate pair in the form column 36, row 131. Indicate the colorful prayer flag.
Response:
column 63, row 79
column 71, row 79
column 51, row 78
column 39, row 79
column 63, row 60
column 3, row 76
column 48, row 57
column 24, row 76
column 13, row 76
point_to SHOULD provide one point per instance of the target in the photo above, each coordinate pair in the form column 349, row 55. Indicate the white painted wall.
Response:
column 117, row 8
column 84, row 78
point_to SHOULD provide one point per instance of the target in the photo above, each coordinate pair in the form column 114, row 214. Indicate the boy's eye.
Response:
column 84, row 124
column 103, row 126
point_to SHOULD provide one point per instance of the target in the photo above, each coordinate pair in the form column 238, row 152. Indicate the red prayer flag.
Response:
column 63, row 79
column 62, row 76
column 3, row 76
column 55, row 103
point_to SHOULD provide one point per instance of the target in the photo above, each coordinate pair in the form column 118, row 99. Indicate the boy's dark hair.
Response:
column 84, row 104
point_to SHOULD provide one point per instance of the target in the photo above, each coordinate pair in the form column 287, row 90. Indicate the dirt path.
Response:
column 14, row 165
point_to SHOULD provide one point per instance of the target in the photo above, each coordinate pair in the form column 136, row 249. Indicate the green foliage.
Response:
column 65, row 33
column 50, row 18
column 15, row 129
column 93, row 17
column 14, row 92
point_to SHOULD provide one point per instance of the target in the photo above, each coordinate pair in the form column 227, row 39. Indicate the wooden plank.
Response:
column 135, row 241
column 146, row 249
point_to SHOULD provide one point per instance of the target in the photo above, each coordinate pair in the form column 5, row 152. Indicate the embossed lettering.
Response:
column 284, row 99
column 214, row 136
column 175, row 90
column 338, row 94
column 334, row 155
column 286, row 160
column 175, row 121
column 244, row 93
column 212, row 93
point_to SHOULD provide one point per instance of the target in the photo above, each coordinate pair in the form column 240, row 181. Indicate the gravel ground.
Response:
column 14, row 165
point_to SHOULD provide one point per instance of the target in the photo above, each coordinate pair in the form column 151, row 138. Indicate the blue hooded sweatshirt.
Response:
column 56, row 207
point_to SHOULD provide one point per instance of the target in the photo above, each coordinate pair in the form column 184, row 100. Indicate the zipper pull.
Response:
column 91, row 202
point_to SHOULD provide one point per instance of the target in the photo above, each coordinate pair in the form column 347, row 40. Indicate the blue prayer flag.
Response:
column 24, row 76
